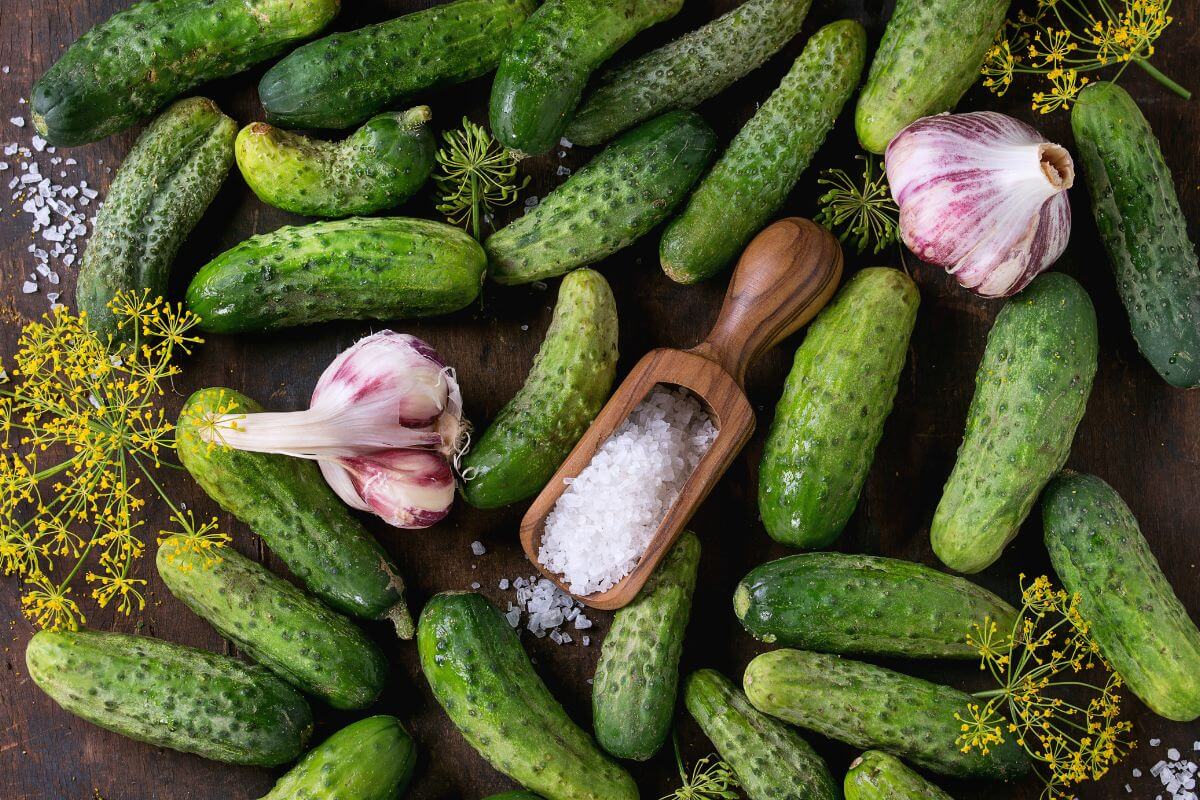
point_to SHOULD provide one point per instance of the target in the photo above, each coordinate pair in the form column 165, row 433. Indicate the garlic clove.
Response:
column 405, row 488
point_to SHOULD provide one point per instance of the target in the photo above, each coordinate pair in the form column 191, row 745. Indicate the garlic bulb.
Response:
column 982, row 195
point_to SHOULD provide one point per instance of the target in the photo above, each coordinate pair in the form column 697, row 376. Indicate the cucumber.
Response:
column 544, row 70
column 770, row 759
column 372, row 759
column 840, row 603
column 516, row 795
column 633, row 695
column 571, row 378
column 1143, row 228
column 171, row 696
column 356, row 268
column 878, row 776
column 311, row 647
column 872, row 707
column 930, row 55
column 835, row 402
column 287, row 502
column 1030, row 393
column 1143, row 630
column 757, row 171
column 132, row 64
column 618, row 197
column 687, row 71
column 380, row 166
column 483, row 679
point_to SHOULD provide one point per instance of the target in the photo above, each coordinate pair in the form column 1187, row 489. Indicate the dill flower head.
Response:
column 861, row 211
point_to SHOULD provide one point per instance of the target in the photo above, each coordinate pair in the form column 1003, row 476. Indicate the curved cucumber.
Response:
column 371, row 759
column 878, row 776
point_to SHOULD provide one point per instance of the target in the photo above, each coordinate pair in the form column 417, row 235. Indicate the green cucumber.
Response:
column 571, row 378
column 757, row 171
column 930, row 55
column 834, row 404
column 618, row 197
column 1143, row 228
column 770, row 759
column 839, row 603
column 687, row 71
column 872, row 707
column 135, row 62
column 515, row 795
column 878, row 776
column 544, row 70
column 483, row 679
column 1030, row 393
column 356, row 268
column 633, row 694
column 317, row 650
column 1101, row 556
column 379, row 166
column 371, row 759
column 172, row 696
column 287, row 503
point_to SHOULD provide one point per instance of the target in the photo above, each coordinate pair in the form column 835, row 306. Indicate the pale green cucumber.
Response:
column 878, row 776
column 371, row 759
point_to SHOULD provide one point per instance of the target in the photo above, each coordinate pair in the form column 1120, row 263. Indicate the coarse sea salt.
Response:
column 1175, row 773
column 546, row 609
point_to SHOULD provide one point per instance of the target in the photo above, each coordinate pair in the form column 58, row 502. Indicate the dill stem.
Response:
column 990, row 693
column 1158, row 75
column 476, row 208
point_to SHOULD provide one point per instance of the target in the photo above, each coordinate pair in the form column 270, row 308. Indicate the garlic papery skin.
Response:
column 982, row 195
column 405, row 488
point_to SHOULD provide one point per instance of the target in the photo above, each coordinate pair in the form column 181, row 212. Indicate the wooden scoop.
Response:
column 784, row 277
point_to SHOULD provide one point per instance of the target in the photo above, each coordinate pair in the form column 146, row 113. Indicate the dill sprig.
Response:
column 710, row 779
column 861, row 211
column 477, row 176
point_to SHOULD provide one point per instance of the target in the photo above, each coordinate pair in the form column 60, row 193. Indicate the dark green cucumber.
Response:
column 343, row 78
column 687, row 71
column 872, row 707
column 757, row 171
column 372, row 759
column 834, row 404
column 129, row 66
column 770, row 759
column 544, row 70
column 172, row 696
column 356, row 268
column 287, row 502
column 1030, row 392
column 618, row 197
column 571, row 378
column 483, row 679
column 1143, row 228
column 929, row 56
column 633, row 695
column 878, row 776
column 1100, row 554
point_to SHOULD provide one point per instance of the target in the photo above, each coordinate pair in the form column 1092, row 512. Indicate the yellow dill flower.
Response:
column 998, row 66
column 204, row 540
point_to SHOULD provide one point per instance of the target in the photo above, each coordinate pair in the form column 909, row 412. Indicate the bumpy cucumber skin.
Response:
column 929, row 56
column 483, row 679
column 372, row 759
column 172, row 696
column 571, row 378
column 840, row 603
column 633, row 694
column 770, row 759
column 871, row 707
column 158, row 195
column 687, row 71
column 1030, row 394
column 878, row 776
column 543, row 73
column 757, row 171
column 1143, row 228
column 1100, row 554
column 356, row 268
column 133, row 63
column 834, row 405
column 618, row 197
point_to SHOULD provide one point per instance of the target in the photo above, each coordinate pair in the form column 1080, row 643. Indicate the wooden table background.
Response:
column 1139, row 434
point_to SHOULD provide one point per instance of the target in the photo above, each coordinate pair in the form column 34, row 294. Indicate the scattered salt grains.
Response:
column 1174, row 773
column 477, row 548
column 546, row 610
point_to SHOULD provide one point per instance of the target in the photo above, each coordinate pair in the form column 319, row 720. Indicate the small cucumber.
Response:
column 544, row 70
column 571, row 378
column 878, row 776
column 757, row 171
column 372, row 759
column 1100, row 554
column 872, row 707
column 483, row 679
column 618, row 197
column 172, row 696
column 835, row 402
column 356, row 268
column 633, row 695
column 380, row 166
column 930, row 55
column 517, row 795
column 1030, row 393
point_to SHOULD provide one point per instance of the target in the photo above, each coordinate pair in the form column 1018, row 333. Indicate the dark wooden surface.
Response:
column 1140, row 435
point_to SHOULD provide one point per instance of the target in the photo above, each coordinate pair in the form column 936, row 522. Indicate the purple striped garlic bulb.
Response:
column 982, row 195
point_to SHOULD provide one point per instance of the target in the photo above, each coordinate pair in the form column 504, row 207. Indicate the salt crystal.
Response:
column 587, row 641
column 477, row 548
column 561, row 171
column 565, row 142
column 28, row 287
column 504, row 584
column 475, row 586
column 1155, row 742
column 39, row 143
column 18, row 121
column 1173, row 754
column 4, row 69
